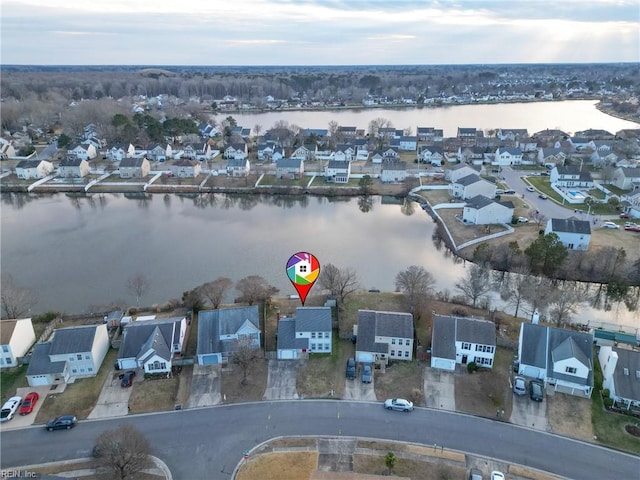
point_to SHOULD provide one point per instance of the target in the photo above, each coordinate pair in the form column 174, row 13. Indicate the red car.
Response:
column 624, row 215
column 632, row 227
column 28, row 403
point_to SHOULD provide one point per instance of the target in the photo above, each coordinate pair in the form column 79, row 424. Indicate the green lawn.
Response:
column 616, row 190
column 542, row 183
column 12, row 379
column 324, row 371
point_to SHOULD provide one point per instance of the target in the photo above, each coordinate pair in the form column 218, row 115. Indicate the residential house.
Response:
column 94, row 141
column 7, row 150
column 390, row 153
column 151, row 344
column 73, row 352
column 429, row 134
column 73, row 168
column 562, row 359
column 468, row 136
column 361, row 146
column 507, row 156
column 481, row 210
column 408, row 143
column 310, row 331
column 472, row 185
column 474, row 155
column 570, row 176
column 220, row 329
column 344, row 153
column 305, row 152
column 631, row 203
column 512, row 133
column 16, row 338
column 269, row 152
column 621, row 376
column 461, row 170
column 393, row 171
column 238, row 167
column 185, row 168
column 347, row 132
column 337, row 171
column 117, row 152
column 135, row 167
column 457, row 340
column 377, row 157
column 198, row 151
column 318, row 134
column 84, row 152
column 383, row 336
column 551, row 156
column 626, row 178
column 289, row 168
column 581, row 143
column 431, row 154
column 158, row 153
column 573, row 233
column 27, row 169
column 236, row 150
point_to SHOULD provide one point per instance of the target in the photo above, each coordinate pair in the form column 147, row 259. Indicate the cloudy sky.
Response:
column 317, row 32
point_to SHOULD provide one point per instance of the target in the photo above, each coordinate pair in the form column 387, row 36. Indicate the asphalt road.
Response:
column 208, row 442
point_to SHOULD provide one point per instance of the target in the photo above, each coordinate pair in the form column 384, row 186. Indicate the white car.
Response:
column 9, row 408
column 519, row 386
column 531, row 189
column 610, row 225
column 496, row 475
column 398, row 404
column 523, row 219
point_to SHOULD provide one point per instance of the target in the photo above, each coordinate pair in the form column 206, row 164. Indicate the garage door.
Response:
column 208, row 359
column 286, row 355
column 443, row 364
column 38, row 380
column 531, row 372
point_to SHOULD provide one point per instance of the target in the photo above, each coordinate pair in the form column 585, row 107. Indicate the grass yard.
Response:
column 12, row 379
column 78, row 398
column 232, row 388
column 408, row 468
column 400, row 379
column 570, row 416
column 283, row 466
column 324, row 372
column 154, row 395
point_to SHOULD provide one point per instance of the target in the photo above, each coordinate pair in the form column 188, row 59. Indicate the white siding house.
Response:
column 73, row 168
column 16, row 338
column 621, row 376
column 457, row 340
column 573, row 233
column 220, row 329
column 337, row 172
column 481, row 210
column 471, row 186
column 309, row 332
column 28, row 169
column 570, row 176
column 383, row 336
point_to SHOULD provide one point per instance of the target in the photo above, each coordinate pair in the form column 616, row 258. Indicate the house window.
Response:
column 406, row 354
column 393, row 353
column 313, row 346
column 82, row 370
column 5, row 348
column 87, row 357
column 313, row 334
column 89, row 369
column 71, row 359
column 571, row 370
column 327, row 346
column 393, row 341
column 75, row 370
column 9, row 361
column 327, row 335
column 79, row 356
column 406, row 342
column 466, row 346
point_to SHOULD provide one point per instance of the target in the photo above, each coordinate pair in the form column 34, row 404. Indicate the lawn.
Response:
column 324, row 372
column 400, row 379
column 283, row 466
column 409, row 468
column 79, row 397
column 542, row 184
column 231, row 382
column 154, row 395
column 12, row 379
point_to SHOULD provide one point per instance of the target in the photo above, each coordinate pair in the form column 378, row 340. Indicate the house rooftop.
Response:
column 41, row 364
column 73, row 340
column 215, row 324
column 571, row 225
column 372, row 324
column 313, row 319
column 627, row 373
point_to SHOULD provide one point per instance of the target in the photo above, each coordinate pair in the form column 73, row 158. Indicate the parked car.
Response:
column 519, row 386
column 632, row 227
column 531, row 189
column 366, row 374
column 475, row 474
column 61, row 423
column 624, row 215
column 399, row 404
column 536, row 390
column 496, row 475
column 126, row 379
column 351, row 368
column 523, row 220
column 610, row 225
column 542, row 196
column 509, row 192
column 29, row 403
column 10, row 408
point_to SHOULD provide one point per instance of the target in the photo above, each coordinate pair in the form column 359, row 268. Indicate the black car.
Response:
column 65, row 422
column 542, row 196
column 351, row 368
column 536, row 390
column 126, row 379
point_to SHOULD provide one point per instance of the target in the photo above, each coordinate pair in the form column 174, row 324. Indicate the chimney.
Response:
column 609, row 368
column 535, row 318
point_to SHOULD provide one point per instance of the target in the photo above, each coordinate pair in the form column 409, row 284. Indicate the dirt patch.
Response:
column 522, row 472
column 383, row 301
column 184, row 384
column 325, row 372
column 284, row 466
column 400, row 379
column 487, row 390
column 234, row 391
column 463, row 233
column 293, row 442
column 154, row 395
column 570, row 416
column 633, row 430
column 413, row 469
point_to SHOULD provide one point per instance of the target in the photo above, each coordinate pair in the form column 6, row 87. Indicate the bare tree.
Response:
column 417, row 284
column 514, row 290
column 476, row 284
column 255, row 288
column 257, row 129
column 123, row 450
column 16, row 301
column 538, row 292
column 565, row 301
column 245, row 353
column 216, row 291
column 339, row 282
column 538, row 218
column 138, row 284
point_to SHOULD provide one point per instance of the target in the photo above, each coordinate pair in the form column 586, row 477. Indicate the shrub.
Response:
column 472, row 367
column 416, row 396
column 608, row 402
column 605, row 393
column 459, row 312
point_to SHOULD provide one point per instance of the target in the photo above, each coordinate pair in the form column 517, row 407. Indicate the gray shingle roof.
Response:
column 286, row 333
column 40, row 364
column 383, row 324
column 71, row 162
column 237, row 162
column 533, row 350
column 478, row 202
column 580, row 347
column 443, row 337
column 313, row 319
column 132, row 162
column 156, row 343
column 73, row 340
column 571, row 225
column 138, row 334
column 28, row 164
column 627, row 386
column 469, row 179
column 212, row 324
column 338, row 164
column 289, row 163
column 476, row 330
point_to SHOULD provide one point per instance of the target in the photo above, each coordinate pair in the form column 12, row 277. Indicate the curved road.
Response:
column 208, row 442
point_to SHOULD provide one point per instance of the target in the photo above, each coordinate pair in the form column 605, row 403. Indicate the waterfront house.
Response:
column 220, row 329
column 481, row 210
column 431, row 154
column 570, row 176
column 73, row 167
column 28, row 169
column 461, row 170
column 456, row 340
column 344, row 153
column 158, row 153
column 337, row 171
column 185, row 168
column 16, row 338
column 310, row 331
column 573, row 233
column 621, row 375
column 408, row 143
column 383, row 336
column 238, row 167
column 472, row 185
column 305, row 152
column 393, row 171
column 507, row 156
column 512, row 133
column 84, row 152
column 289, row 168
column 135, row 167
column 119, row 151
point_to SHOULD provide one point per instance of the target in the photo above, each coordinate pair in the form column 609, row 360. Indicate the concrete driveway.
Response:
column 439, row 389
column 205, row 386
column 281, row 381
column 527, row 413
column 20, row 421
column 356, row 390
column 113, row 400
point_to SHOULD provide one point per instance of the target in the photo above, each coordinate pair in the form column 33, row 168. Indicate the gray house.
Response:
column 383, row 336
column 621, row 375
column 289, row 168
column 457, row 340
column 309, row 331
column 219, row 329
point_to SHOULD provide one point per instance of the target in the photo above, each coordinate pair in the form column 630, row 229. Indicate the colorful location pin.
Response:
column 303, row 270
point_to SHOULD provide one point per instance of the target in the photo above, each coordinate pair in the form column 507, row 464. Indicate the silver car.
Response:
column 398, row 404
column 519, row 386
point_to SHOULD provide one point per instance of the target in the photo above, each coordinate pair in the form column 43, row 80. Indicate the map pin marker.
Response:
column 303, row 270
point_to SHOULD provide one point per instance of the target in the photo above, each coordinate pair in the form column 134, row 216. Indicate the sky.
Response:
column 318, row 32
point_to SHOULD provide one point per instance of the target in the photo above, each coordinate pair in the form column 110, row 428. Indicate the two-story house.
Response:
column 73, row 167
column 310, row 331
column 621, row 375
column 570, row 176
column 289, row 168
column 119, row 151
column 134, row 167
column 238, row 167
column 84, row 152
column 626, row 178
column 431, row 154
column 393, row 171
column 219, row 331
column 28, row 169
column 573, row 233
column 408, row 143
column 305, row 152
column 507, row 156
column 337, row 172
column 158, row 153
column 185, row 168
column 461, row 170
column 344, row 153
column 383, row 336
column 481, row 210
column 462, row 340
column 16, row 338
column 236, row 150
column 472, row 185
column 73, row 352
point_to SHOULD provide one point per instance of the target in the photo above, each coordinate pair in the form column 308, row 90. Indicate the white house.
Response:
column 344, row 153
column 27, row 169
column 551, row 156
column 621, row 375
column 393, row 171
column 507, row 156
column 185, row 168
column 135, row 167
column 238, row 167
column 236, row 150
column 289, row 168
column 16, row 338
column 573, row 233
column 626, row 178
column 305, row 152
column 383, row 336
column 7, row 150
column 461, row 170
column 512, row 133
column 310, row 331
column 457, row 340
column 408, row 143
column 73, row 352
column 158, row 153
column 481, row 210
column 431, row 154
column 471, row 186
column 84, row 152
column 562, row 359
column 337, row 172
column 151, row 343
column 73, row 167
column 220, row 329
column 570, row 176
column 117, row 152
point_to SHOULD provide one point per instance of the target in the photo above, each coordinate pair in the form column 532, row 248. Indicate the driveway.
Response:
column 113, row 400
column 439, row 389
column 356, row 390
column 527, row 413
column 20, row 421
column 281, row 381
column 205, row 386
